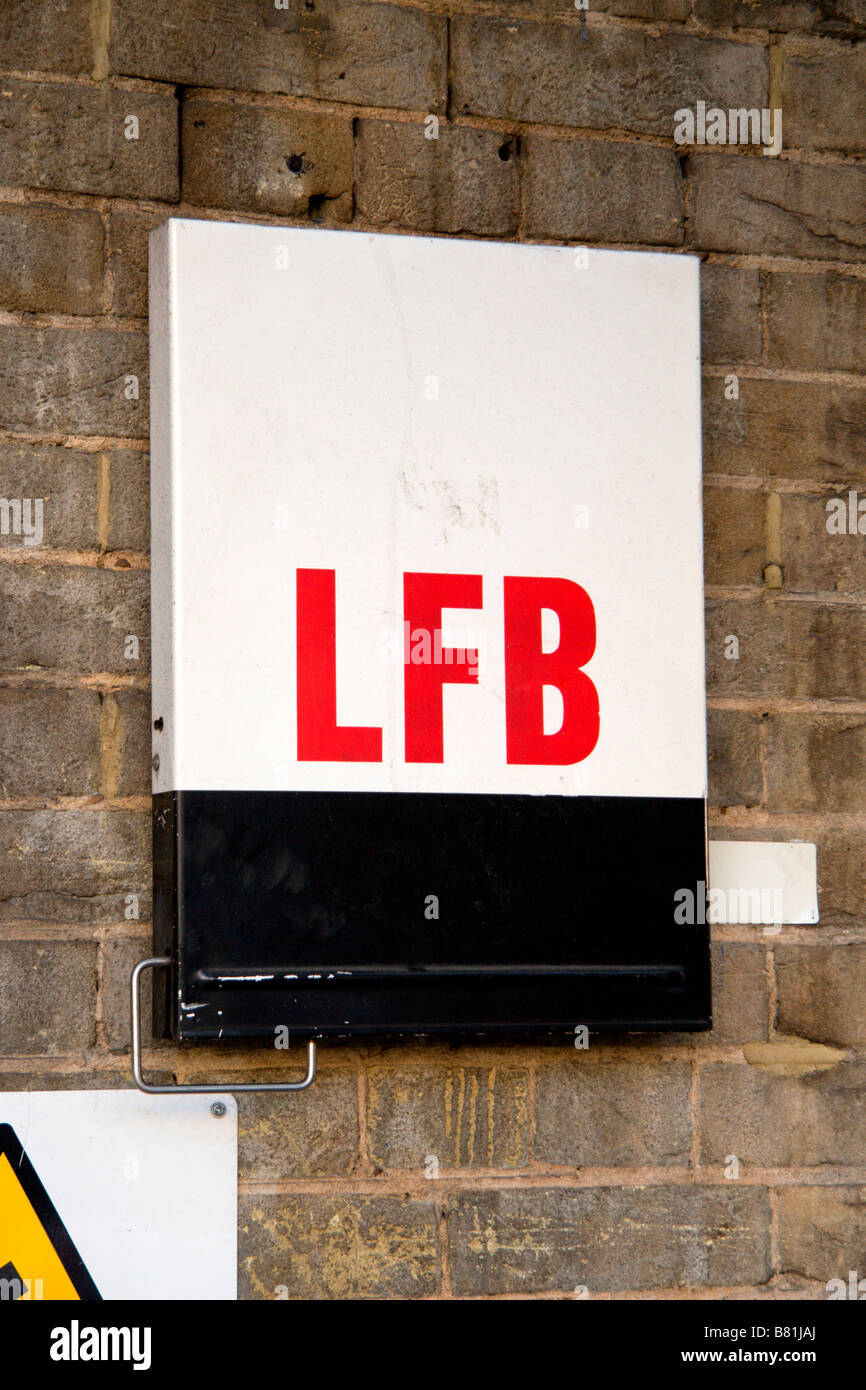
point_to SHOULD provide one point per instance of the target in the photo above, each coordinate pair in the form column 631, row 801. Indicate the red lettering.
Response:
column 424, row 597
column 528, row 669
column 320, row 738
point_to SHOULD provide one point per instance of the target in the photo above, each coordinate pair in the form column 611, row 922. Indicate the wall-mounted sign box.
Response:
column 428, row 685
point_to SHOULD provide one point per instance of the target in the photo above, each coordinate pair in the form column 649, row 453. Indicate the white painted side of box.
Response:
column 165, row 689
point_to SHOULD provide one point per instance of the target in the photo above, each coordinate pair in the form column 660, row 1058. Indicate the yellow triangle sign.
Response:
column 37, row 1256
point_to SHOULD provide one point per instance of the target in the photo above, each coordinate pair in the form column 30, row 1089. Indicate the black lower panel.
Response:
column 376, row 913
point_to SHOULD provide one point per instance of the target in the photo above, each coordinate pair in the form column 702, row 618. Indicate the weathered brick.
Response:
column 798, row 650
column 814, row 559
column 518, row 69
column 814, row 16
column 822, row 1231
column 464, row 181
column 730, row 314
column 785, row 429
column 266, row 159
column 603, row 1114
column 603, row 191
column 73, row 618
column 127, row 735
column 338, row 1247
column 75, row 1080
column 625, row 9
column 51, row 35
column 128, row 260
column 281, row 1136
column 50, row 259
column 815, row 762
column 129, row 501
column 740, row 993
column 342, row 50
column 463, row 1117
column 640, row 9
column 821, row 990
column 841, row 878
column 750, row 667
column 47, row 997
column 73, row 866
column 783, row 1121
column 119, row 955
column 734, row 758
column 734, row 535
column 817, row 321
column 66, row 481
column 67, row 137
column 73, row 381
column 49, row 742
column 824, row 96
column 514, row 1241
column 761, row 206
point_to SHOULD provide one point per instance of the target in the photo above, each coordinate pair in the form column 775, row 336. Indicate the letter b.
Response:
column 528, row 669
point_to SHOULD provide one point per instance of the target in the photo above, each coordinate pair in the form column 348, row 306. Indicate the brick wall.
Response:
column 609, row 1168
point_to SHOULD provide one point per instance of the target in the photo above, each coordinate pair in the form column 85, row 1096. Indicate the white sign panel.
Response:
column 763, row 881
column 426, row 516
column 117, row 1195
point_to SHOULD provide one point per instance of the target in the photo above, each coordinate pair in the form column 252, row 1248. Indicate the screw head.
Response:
column 218, row 1109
